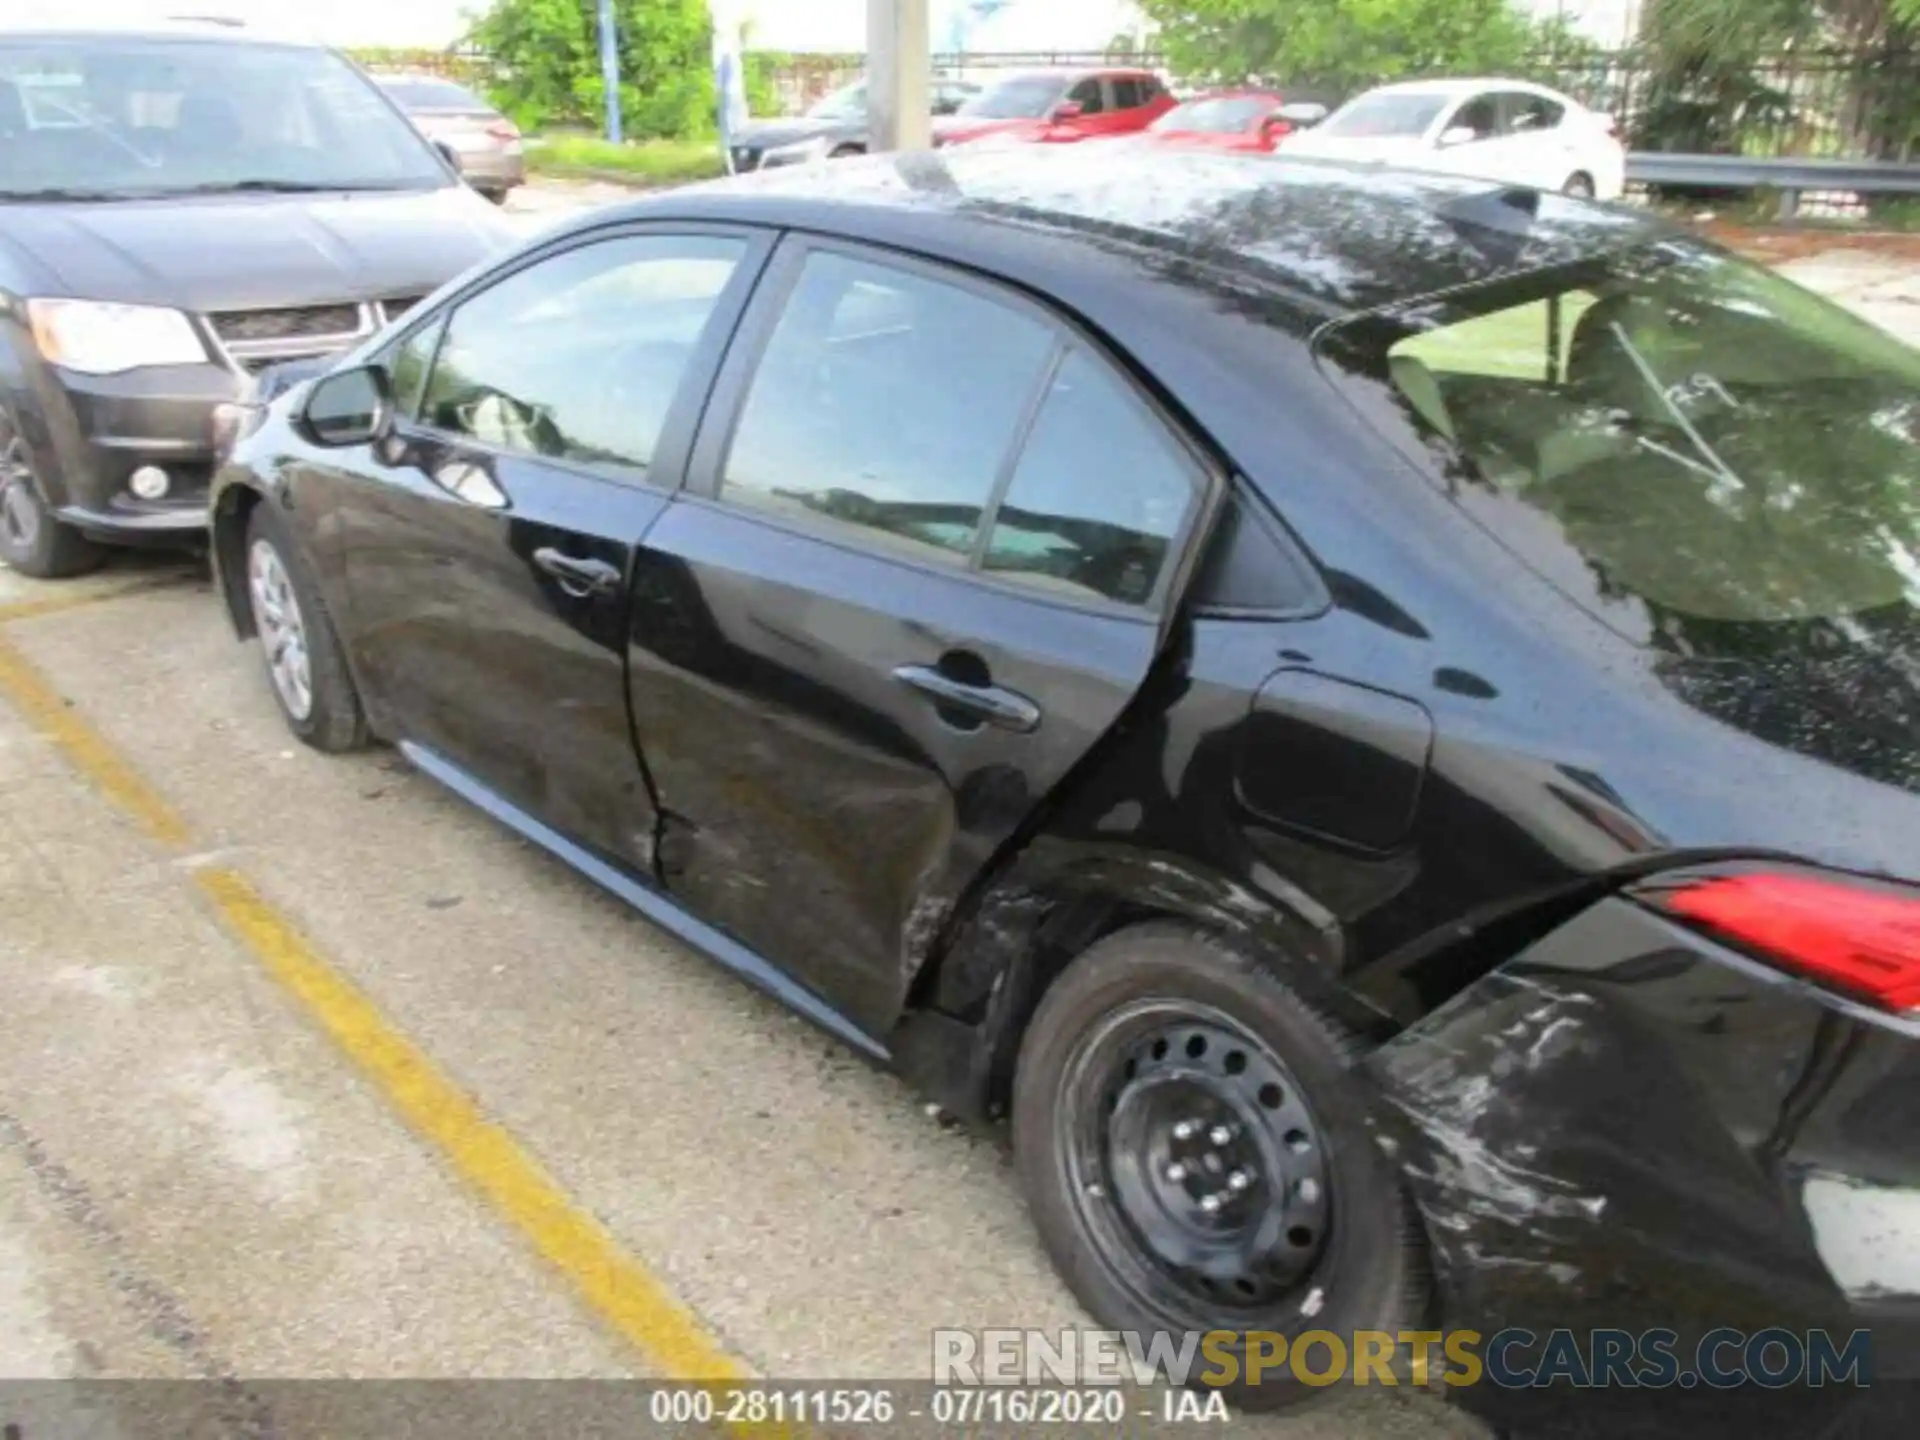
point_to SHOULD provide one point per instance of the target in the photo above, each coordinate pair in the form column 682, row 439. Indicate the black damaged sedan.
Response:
column 1373, row 716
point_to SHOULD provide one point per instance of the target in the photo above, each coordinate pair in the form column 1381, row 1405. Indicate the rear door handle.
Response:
column 579, row 577
column 1002, row 708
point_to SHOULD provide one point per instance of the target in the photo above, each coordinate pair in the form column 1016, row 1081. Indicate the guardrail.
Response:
column 1790, row 178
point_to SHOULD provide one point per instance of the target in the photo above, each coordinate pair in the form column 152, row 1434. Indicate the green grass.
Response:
column 644, row 162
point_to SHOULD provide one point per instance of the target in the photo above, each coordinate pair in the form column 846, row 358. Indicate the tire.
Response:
column 286, row 607
column 497, row 197
column 1091, row 1127
column 1579, row 185
column 845, row 151
column 31, row 540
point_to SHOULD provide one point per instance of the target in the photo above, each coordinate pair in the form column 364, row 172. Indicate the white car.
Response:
column 1508, row 130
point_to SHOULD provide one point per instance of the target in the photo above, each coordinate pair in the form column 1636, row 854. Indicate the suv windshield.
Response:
column 107, row 118
column 1715, row 460
column 1383, row 117
column 1025, row 97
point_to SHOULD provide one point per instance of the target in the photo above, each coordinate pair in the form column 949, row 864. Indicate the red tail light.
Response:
column 1860, row 941
column 504, row 130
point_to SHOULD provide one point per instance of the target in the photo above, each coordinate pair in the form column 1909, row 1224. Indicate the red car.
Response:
column 1059, row 105
column 1224, row 120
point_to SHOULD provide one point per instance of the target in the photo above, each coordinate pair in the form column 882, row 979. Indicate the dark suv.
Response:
column 181, row 204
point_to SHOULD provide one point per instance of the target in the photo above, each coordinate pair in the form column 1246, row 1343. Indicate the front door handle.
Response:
column 1002, row 708
column 579, row 577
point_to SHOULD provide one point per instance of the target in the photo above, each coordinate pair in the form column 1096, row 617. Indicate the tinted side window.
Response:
column 1128, row 94
column 886, row 403
column 1098, row 496
column 1530, row 114
column 1087, row 95
column 1480, row 115
column 578, row 358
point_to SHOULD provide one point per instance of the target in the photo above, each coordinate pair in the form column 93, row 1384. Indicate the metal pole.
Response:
column 610, row 68
column 899, row 66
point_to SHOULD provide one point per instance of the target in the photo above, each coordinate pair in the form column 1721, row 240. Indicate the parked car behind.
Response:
column 1059, row 105
column 1233, row 120
column 1509, row 130
column 181, row 204
column 486, row 145
column 833, row 127
column 1375, row 716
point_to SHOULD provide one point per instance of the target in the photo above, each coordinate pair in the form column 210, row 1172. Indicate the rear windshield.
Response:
column 433, row 95
column 1380, row 117
column 103, row 118
column 1694, row 446
column 1223, row 115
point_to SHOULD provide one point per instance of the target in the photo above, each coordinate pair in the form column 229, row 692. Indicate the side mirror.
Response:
column 1066, row 110
column 352, row 407
column 1303, row 115
column 1458, row 135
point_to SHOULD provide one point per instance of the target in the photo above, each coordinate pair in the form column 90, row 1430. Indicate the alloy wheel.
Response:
column 1195, row 1162
column 283, row 631
column 20, row 508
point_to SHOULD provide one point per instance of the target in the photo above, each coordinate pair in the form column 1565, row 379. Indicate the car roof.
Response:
column 1461, row 86
column 1336, row 237
column 50, row 22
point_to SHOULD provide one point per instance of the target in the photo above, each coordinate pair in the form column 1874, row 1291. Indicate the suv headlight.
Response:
column 100, row 338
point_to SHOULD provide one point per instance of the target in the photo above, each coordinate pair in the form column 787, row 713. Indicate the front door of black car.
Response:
column 919, row 571
column 546, row 420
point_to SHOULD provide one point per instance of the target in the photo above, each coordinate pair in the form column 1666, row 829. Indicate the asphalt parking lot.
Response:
column 311, row 1071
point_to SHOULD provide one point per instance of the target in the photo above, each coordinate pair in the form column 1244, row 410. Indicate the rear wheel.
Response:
column 309, row 674
column 1579, row 185
column 841, row 152
column 1196, row 1152
column 32, row 541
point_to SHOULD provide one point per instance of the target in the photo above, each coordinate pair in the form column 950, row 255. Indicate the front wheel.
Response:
column 309, row 674
column 1194, row 1146
column 1580, row 186
column 32, row 541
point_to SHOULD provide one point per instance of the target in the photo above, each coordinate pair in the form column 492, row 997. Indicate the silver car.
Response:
column 485, row 144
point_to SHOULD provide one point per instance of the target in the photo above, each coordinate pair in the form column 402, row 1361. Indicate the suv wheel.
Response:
column 31, row 540
column 1196, row 1152
column 309, row 674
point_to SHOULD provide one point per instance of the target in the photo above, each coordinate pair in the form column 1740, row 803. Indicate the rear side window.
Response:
column 1529, row 114
column 1128, row 93
column 930, row 420
column 1098, row 496
column 885, row 405
column 578, row 357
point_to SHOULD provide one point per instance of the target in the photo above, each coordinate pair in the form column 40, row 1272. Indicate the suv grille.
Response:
column 296, row 323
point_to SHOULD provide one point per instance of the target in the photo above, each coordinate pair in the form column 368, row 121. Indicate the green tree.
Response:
column 1707, row 90
column 1344, row 43
column 546, row 63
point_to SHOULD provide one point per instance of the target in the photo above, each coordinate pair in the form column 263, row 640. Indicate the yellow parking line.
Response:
column 73, row 599
column 611, row 1281
column 86, row 749
column 672, row 1341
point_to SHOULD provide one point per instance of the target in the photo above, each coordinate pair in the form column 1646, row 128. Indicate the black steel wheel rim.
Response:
column 1195, row 1163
